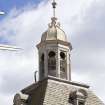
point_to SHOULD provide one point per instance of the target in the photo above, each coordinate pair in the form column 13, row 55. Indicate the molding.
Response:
column 54, row 42
column 33, row 86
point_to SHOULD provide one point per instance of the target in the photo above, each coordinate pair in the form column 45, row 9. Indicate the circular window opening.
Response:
column 42, row 57
column 51, row 54
column 62, row 55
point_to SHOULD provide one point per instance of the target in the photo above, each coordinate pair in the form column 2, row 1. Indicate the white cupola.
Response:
column 54, row 52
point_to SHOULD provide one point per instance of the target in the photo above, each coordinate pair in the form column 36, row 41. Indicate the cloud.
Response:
column 88, row 56
column 83, row 22
column 13, row 66
column 8, row 99
column 17, row 69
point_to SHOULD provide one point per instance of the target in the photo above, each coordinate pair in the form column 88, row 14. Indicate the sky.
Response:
column 23, row 24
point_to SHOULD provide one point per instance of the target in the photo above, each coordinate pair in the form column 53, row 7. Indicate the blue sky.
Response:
column 7, row 5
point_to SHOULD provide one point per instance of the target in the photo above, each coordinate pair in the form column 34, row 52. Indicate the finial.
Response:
column 53, row 18
column 54, row 7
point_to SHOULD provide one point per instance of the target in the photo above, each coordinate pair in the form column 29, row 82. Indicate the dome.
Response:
column 54, row 32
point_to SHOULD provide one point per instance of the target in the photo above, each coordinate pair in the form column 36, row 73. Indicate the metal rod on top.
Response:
column 54, row 7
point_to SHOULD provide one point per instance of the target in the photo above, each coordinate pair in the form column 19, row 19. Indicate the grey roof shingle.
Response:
column 53, row 91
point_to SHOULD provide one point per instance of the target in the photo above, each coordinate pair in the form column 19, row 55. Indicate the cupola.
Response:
column 54, row 51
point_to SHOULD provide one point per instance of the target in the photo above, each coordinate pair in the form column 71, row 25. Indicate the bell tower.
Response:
column 54, row 51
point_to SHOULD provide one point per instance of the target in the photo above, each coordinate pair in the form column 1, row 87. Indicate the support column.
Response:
column 58, row 63
column 68, row 67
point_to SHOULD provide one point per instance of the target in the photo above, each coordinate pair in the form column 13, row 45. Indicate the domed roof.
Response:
column 54, row 32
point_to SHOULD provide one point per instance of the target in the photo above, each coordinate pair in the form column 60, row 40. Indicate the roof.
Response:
column 54, row 32
column 55, row 91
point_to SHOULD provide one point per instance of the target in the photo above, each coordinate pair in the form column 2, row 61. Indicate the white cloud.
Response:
column 6, row 99
column 83, row 21
column 17, row 69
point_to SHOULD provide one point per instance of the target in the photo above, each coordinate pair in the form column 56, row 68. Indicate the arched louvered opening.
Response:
column 63, row 65
column 42, row 71
column 52, row 63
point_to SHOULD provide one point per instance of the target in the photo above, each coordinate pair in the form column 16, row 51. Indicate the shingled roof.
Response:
column 54, row 91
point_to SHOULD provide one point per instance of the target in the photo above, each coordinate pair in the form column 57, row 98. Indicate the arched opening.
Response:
column 42, row 57
column 51, row 54
column 52, row 63
column 62, row 55
column 63, row 65
column 42, row 65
